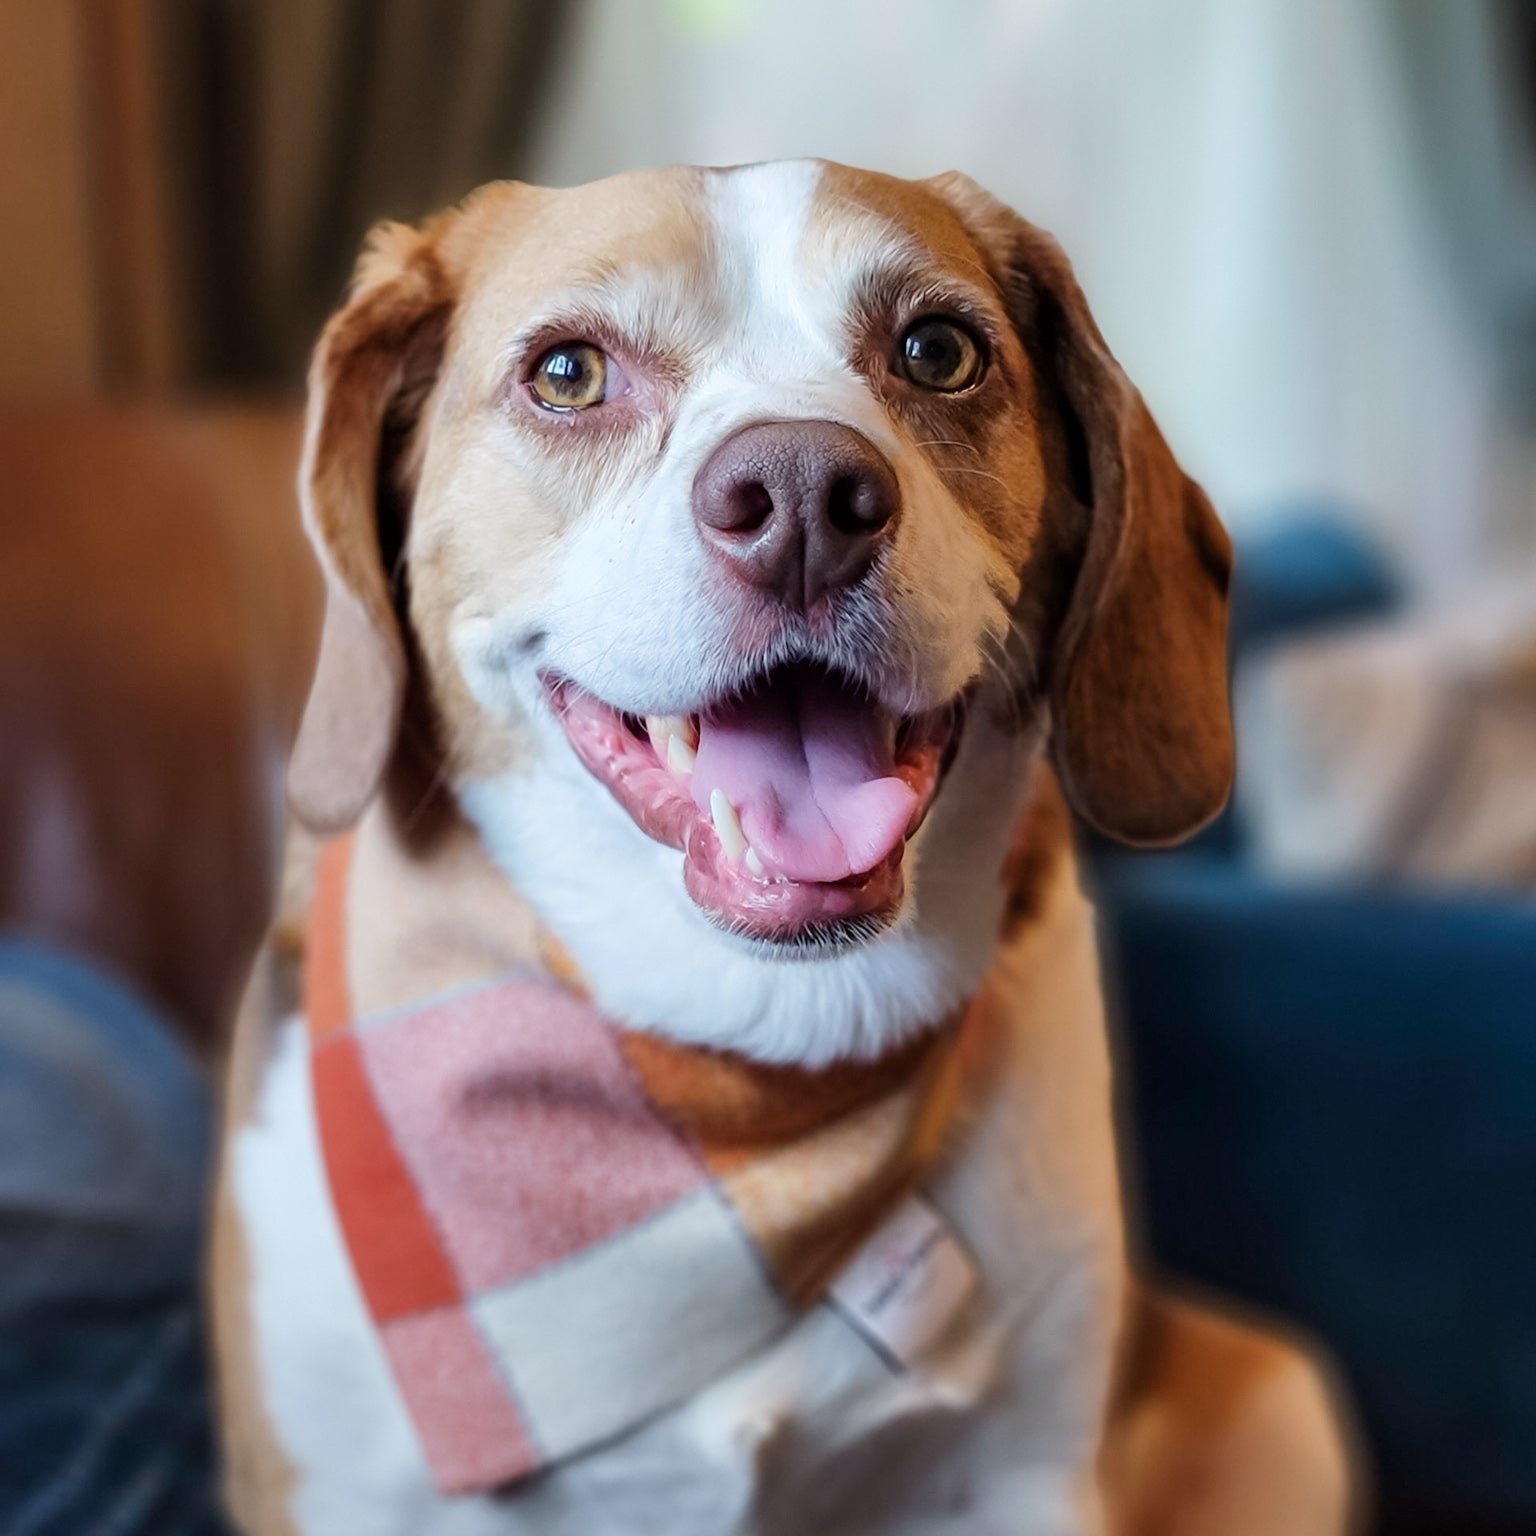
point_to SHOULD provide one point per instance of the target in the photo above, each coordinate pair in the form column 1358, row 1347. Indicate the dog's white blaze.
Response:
column 760, row 214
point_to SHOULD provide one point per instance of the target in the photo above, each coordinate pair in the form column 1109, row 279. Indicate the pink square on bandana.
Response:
column 526, row 1131
column 470, row 1428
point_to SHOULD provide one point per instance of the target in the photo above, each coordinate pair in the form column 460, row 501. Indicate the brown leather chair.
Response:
column 158, row 616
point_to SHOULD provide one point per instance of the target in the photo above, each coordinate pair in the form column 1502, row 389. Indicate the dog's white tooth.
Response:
column 680, row 756
column 727, row 825
column 662, row 729
column 754, row 863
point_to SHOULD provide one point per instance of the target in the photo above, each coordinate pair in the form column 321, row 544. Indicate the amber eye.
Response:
column 571, row 377
column 939, row 354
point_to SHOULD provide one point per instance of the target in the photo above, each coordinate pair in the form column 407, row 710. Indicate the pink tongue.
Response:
column 808, row 764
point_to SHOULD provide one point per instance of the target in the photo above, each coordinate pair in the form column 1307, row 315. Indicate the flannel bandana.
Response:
column 560, row 1227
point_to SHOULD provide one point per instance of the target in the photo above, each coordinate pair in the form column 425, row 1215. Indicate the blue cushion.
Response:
column 1308, row 569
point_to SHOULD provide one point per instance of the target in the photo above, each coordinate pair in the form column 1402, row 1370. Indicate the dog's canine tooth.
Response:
column 754, row 863
column 680, row 756
column 661, row 729
column 664, row 728
column 727, row 825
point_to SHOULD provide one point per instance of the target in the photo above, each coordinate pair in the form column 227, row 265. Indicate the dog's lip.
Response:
column 729, row 884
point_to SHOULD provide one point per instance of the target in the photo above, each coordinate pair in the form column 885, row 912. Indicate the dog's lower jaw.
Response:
column 653, row 961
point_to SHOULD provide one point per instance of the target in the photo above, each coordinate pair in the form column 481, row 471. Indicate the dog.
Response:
column 736, row 580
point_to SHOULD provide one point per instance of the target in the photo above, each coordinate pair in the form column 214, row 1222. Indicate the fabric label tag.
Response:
column 905, row 1285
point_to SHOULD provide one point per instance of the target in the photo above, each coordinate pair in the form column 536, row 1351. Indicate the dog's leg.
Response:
column 257, row 1478
column 1222, row 1430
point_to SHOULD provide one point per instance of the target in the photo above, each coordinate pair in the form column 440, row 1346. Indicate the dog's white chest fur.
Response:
column 995, row 1431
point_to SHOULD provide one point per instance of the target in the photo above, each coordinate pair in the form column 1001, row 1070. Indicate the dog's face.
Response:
column 733, row 522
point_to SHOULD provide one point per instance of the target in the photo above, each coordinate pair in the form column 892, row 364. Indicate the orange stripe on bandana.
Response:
column 326, row 995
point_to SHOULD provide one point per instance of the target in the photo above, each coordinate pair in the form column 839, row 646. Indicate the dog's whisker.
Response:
column 962, row 469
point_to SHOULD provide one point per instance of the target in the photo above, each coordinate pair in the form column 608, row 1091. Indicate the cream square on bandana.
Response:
column 624, row 1329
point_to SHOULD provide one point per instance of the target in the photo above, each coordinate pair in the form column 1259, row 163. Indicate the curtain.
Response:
column 1469, row 71
column 290, row 126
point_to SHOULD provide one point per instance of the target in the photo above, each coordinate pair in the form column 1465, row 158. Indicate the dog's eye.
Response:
column 570, row 377
column 940, row 354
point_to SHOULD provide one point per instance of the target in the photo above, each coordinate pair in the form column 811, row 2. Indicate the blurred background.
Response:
column 1308, row 229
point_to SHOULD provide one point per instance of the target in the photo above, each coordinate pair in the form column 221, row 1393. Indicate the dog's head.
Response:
column 712, row 528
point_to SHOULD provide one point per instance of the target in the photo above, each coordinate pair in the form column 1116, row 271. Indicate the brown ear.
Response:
column 1141, row 731
column 371, row 370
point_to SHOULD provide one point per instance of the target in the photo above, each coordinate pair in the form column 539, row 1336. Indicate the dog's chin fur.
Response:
column 615, row 900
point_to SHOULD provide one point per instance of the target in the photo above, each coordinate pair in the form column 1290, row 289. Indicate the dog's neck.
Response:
column 617, row 903
column 428, row 913
column 436, row 903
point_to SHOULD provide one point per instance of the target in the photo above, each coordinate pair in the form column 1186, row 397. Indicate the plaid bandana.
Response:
column 561, row 1227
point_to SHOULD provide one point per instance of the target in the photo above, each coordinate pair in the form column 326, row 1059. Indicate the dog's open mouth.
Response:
column 792, row 800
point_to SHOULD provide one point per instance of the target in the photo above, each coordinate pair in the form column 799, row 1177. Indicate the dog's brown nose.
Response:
column 797, row 508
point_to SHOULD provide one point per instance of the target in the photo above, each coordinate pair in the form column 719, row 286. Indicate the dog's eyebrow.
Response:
column 913, row 275
column 576, row 313
column 649, row 312
column 911, row 285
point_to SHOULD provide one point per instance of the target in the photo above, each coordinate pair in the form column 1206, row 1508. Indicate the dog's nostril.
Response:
column 856, row 505
column 751, row 505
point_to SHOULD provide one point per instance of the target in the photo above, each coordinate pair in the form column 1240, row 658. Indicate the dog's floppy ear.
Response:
column 373, row 366
column 1141, row 730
